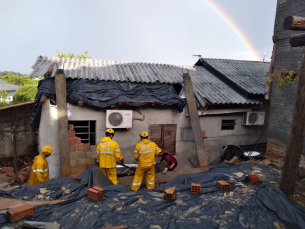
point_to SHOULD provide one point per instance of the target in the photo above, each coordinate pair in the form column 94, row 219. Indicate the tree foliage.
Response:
column 3, row 94
column 25, row 94
column 19, row 80
column 11, row 73
column 72, row 55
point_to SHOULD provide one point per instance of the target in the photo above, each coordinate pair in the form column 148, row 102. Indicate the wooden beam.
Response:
column 294, row 23
column 296, row 138
column 202, row 153
column 63, row 139
column 297, row 40
column 161, row 177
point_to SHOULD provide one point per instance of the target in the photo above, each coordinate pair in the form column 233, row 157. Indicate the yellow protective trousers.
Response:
column 111, row 174
column 138, row 177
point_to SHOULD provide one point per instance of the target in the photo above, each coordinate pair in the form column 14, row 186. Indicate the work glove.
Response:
column 122, row 161
column 158, row 164
column 97, row 162
column 165, row 170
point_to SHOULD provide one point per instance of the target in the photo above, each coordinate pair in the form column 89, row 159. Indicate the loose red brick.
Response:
column 10, row 174
column 74, row 141
column 253, row 178
column 15, row 214
column 98, row 189
column 195, row 188
column 21, row 178
column 71, row 133
column 7, row 169
column 170, row 193
column 223, row 185
column 83, row 147
column 71, row 127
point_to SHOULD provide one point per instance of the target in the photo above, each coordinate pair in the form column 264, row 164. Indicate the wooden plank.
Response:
column 202, row 153
column 169, row 138
column 155, row 134
column 63, row 138
column 294, row 23
column 296, row 138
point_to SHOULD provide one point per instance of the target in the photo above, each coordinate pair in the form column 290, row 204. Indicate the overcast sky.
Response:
column 155, row 31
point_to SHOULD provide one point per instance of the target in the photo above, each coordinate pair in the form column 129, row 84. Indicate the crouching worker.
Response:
column 145, row 153
column 40, row 167
column 106, row 153
column 170, row 159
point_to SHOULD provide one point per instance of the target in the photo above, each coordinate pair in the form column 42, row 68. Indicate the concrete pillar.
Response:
column 63, row 138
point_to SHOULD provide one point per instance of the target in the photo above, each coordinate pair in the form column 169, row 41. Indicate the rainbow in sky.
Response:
column 236, row 30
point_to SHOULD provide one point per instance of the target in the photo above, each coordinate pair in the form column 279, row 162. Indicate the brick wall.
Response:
column 16, row 120
column 80, row 155
column 283, row 101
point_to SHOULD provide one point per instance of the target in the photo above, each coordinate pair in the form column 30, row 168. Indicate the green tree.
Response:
column 72, row 55
column 25, row 94
column 12, row 79
column 3, row 94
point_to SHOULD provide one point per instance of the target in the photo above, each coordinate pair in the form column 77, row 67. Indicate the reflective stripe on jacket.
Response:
column 106, row 152
column 145, row 153
column 40, row 171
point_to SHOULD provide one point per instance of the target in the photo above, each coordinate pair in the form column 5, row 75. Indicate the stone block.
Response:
column 77, row 155
column 75, row 172
column 89, row 154
column 90, row 161
column 73, row 163
column 83, row 147
column 82, row 162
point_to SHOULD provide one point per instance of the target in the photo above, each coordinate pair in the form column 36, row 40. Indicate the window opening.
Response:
column 85, row 130
column 228, row 124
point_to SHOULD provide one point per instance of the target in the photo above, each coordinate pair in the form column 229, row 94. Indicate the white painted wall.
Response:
column 128, row 138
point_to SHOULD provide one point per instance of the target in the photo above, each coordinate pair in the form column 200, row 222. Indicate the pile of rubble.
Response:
column 8, row 178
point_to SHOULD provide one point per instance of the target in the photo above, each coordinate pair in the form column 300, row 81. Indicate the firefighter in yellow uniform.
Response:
column 145, row 153
column 106, row 153
column 40, row 168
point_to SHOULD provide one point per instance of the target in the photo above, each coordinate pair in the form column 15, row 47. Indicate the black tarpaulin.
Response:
column 246, row 205
column 104, row 94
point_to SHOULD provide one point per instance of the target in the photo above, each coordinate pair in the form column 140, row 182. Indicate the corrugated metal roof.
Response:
column 249, row 75
column 7, row 86
column 207, row 87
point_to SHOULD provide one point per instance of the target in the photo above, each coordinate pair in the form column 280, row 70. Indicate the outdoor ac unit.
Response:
column 119, row 118
column 254, row 118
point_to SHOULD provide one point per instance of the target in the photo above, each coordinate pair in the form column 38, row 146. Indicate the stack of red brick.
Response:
column 18, row 213
column 95, row 193
column 80, row 154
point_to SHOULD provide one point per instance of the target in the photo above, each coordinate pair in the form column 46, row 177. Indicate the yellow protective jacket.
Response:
column 106, row 152
column 40, row 170
column 145, row 153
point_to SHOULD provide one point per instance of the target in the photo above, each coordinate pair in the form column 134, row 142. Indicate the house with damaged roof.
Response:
column 133, row 97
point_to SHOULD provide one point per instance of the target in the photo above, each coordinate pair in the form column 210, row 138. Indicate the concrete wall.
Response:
column 128, row 138
column 283, row 101
column 15, row 120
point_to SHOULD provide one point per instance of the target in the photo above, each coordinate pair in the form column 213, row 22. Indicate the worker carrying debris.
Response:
column 170, row 159
column 106, row 153
column 40, row 167
column 145, row 153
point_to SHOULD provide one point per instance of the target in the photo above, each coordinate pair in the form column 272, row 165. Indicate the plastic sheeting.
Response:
column 246, row 205
column 104, row 94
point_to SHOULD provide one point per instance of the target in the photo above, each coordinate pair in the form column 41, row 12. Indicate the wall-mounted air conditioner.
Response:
column 254, row 118
column 119, row 118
